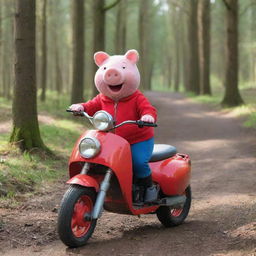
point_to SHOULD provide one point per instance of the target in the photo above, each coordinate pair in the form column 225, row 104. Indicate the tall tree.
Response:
column 99, row 15
column 57, row 51
column 78, row 51
column 25, row 123
column 176, row 29
column 194, row 71
column 44, row 51
column 120, row 43
column 204, row 40
column 232, row 95
column 184, row 51
column 253, row 38
column 145, row 30
column 1, row 47
column 7, row 47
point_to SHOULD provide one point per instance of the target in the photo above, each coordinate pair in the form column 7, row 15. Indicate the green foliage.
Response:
column 23, row 172
column 251, row 121
column 20, row 173
column 55, row 104
column 248, row 111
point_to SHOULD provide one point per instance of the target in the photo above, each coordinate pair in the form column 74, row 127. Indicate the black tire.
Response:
column 83, row 199
column 170, row 217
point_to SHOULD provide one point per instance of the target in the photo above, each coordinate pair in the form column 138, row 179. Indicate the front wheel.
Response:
column 170, row 217
column 73, row 229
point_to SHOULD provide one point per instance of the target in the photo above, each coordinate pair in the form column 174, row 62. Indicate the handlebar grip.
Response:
column 75, row 113
column 142, row 124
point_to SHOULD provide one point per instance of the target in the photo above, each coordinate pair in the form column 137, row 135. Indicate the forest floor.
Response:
column 222, row 220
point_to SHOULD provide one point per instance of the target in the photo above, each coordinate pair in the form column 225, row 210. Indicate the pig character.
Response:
column 117, row 80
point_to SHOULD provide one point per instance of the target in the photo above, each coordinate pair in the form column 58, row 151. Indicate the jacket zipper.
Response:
column 115, row 112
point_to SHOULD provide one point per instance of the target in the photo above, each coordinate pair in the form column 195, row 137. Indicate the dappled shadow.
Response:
column 198, row 236
column 222, row 151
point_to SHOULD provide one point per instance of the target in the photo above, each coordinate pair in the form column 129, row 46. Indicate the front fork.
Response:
column 104, row 186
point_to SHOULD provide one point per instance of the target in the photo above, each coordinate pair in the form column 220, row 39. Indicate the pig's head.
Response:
column 118, row 75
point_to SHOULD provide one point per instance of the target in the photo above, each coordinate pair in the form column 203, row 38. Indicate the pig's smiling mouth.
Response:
column 115, row 88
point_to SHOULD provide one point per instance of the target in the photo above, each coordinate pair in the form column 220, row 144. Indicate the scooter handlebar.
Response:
column 142, row 124
column 76, row 113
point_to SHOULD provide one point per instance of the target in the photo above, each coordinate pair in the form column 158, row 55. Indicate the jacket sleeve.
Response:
column 92, row 106
column 144, row 107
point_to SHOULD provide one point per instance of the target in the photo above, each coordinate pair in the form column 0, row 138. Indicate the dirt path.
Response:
column 222, row 220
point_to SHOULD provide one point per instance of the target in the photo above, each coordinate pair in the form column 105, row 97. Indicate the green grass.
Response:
column 213, row 100
column 248, row 110
column 25, row 172
column 251, row 120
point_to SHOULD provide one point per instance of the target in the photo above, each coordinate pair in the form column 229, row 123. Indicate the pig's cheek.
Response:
column 133, row 78
column 99, row 81
column 102, row 87
column 132, row 83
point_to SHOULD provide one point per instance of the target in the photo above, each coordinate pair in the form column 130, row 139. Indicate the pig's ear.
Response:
column 100, row 57
column 133, row 56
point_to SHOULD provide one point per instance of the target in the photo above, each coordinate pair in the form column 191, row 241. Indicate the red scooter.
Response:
column 100, row 169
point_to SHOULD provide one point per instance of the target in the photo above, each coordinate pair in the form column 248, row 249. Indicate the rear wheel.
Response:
column 73, row 229
column 170, row 216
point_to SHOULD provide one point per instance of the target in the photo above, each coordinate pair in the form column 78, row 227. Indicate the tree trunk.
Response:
column 44, row 52
column 25, row 123
column 194, row 73
column 232, row 96
column 57, row 52
column 58, row 74
column 99, row 11
column 184, row 52
column 7, row 49
column 121, row 28
column 144, row 43
column 253, row 38
column 1, row 50
column 204, row 42
column 168, row 72
column 99, row 33
column 176, row 30
column 78, row 52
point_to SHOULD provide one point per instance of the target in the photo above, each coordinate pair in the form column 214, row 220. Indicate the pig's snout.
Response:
column 113, row 77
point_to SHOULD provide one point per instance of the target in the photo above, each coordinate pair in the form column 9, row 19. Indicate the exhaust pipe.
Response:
column 174, row 201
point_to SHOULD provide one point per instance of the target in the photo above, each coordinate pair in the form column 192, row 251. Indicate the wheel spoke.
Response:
column 78, row 224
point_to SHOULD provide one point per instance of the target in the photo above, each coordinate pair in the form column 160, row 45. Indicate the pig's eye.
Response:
column 123, row 67
column 105, row 68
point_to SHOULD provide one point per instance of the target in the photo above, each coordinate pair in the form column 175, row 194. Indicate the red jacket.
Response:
column 132, row 107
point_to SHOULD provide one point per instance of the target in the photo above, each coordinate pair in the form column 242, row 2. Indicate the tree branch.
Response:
column 227, row 5
column 106, row 8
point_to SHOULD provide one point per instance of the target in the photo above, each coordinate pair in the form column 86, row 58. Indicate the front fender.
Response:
column 85, row 181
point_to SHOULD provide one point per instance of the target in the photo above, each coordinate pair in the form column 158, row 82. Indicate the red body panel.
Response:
column 172, row 174
column 115, row 153
column 84, row 180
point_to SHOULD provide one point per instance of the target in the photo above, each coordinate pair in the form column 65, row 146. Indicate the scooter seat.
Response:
column 162, row 151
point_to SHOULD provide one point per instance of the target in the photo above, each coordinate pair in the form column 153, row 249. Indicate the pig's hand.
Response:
column 77, row 107
column 148, row 118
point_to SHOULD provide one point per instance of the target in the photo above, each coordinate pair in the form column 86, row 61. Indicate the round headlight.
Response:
column 102, row 121
column 89, row 147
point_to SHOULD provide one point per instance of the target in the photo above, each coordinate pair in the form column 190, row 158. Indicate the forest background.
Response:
column 205, row 49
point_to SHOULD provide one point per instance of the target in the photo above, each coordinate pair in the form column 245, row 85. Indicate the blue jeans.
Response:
column 141, row 153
